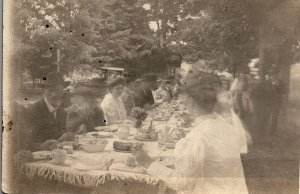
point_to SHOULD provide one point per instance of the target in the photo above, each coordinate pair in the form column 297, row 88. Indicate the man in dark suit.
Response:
column 143, row 96
column 45, row 120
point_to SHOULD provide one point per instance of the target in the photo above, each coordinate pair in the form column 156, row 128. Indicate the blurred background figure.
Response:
column 225, row 107
column 163, row 93
column 177, row 86
column 262, row 95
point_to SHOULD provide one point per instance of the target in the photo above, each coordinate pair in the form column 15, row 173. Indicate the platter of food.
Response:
column 74, row 144
column 103, row 128
column 148, row 139
column 123, row 151
column 100, row 134
column 124, row 147
column 42, row 155
column 111, row 128
column 170, row 145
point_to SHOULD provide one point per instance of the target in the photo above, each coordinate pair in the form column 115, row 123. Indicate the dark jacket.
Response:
column 41, row 125
column 91, row 119
column 143, row 96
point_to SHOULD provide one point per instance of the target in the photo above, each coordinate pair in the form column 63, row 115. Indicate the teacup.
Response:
column 59, row 156
column 69, row 149
column 123, row 133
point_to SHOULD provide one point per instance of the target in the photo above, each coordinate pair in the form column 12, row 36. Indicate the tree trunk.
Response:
column 285, row 61
column 261, row 51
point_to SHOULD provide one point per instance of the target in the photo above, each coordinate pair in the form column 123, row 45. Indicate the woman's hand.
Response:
column 141, row 157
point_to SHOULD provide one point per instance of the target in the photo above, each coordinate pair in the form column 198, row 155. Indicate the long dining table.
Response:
column 80, row 170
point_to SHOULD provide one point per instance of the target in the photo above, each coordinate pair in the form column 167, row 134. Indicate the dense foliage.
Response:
column 225, row 33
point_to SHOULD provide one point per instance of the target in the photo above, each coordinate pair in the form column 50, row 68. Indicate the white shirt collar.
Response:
column 49, row 106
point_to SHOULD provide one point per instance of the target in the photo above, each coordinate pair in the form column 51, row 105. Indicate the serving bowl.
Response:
column 91, row 148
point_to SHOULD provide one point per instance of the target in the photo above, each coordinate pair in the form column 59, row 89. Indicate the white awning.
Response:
column 112, row 68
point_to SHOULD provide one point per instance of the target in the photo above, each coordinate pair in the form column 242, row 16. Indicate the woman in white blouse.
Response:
column 112, row 104
column 208, row 159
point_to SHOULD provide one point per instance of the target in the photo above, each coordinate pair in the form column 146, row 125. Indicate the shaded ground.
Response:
column 272, row 165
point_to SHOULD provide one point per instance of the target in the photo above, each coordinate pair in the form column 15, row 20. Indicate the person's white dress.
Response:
column 225, row 103
column 207, row 160
column 113, row 108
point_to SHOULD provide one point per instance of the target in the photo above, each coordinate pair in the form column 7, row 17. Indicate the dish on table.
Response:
column 42, row 155
column 122, row 146
column 100, row 134
column 123, row 151
column 95, row 146
column 103, row 128
column 148, row 139
column 170, row 145
column 74, row 144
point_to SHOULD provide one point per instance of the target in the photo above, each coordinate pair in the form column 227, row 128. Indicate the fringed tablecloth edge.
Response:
column 84, row 178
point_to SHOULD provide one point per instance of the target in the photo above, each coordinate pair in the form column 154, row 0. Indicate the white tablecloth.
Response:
column 67, row 173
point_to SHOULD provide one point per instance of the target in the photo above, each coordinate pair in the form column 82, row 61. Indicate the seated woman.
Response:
column 208, row 159
column 128, row 93
column 86, row 113
column 112, row 104
column 163, row 93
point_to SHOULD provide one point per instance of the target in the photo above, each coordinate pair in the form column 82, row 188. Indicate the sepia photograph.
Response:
column 151, row 97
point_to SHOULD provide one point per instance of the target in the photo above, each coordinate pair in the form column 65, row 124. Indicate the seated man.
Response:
column 86, row 112
column 143, row 96
column 45, row 120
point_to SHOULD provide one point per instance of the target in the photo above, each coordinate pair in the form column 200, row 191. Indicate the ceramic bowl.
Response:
column 91, row 148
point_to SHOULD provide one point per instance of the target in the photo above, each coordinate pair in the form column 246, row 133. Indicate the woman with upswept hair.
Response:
column 208, row 159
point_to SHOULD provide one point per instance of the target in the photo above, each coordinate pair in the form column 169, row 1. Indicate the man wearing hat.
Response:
column 143, row 96
column 86, row 112
column 45, row 120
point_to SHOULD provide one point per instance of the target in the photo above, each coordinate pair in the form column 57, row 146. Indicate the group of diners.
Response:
column 65, row 110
